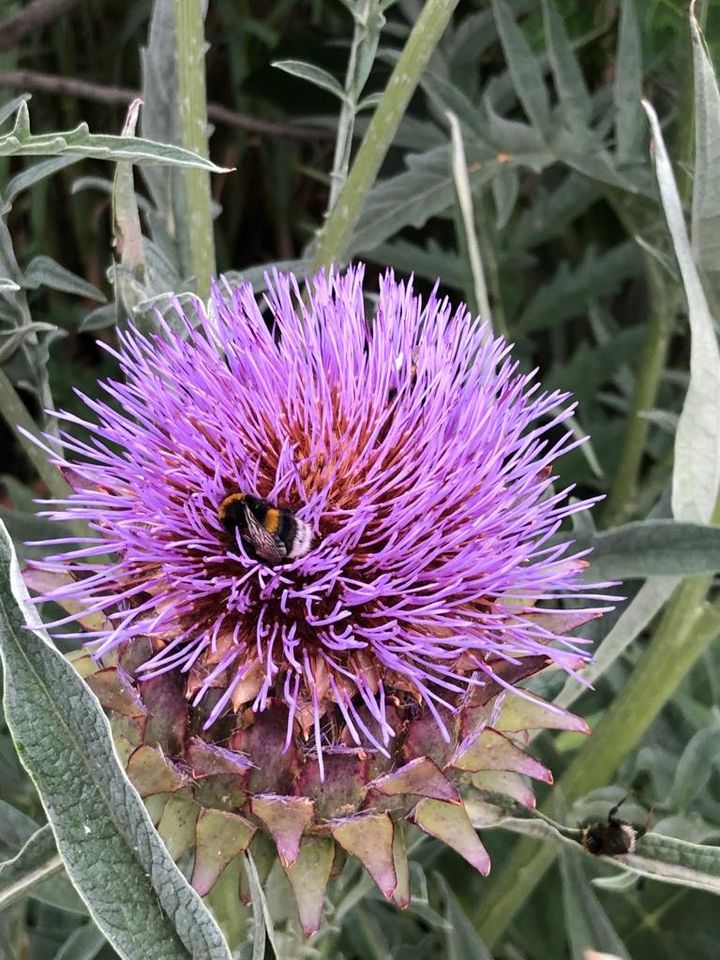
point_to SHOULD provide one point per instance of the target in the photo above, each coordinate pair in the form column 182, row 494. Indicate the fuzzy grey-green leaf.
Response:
column 134, row 891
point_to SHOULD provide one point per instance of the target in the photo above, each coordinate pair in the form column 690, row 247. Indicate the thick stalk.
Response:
column 688, row 626
column 621, row 498
column 335, row 235
column 190, row 65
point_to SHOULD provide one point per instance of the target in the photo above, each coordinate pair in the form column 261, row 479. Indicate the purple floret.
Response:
column 410, row 443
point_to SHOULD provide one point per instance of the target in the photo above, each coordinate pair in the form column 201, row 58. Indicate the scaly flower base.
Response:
column 252, row 789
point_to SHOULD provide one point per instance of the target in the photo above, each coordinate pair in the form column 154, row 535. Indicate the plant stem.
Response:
column 621, row 498
column 16, row 416
column 346, row 120
column 190, row 66
column 688, row 626
column 335, row 236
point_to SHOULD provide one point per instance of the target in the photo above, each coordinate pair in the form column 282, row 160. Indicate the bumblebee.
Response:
column 611, row 838
column 269, row 533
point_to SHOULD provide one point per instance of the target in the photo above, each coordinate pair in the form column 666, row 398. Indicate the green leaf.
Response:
column 627, row 87
column 36, row 861
column 425, row 190
column 646, row 604
column 650, row 548
column 570, row 289
column 461, row 938
column 315, row 75
column 256, row 275
column 134, row 891
column 85, row 943
column 34, row 174
column 574, row 98
column 696, row 471
column 694, row 768
column 524, row 69
column 676, row 861
column 45, row 272
column 586, row 922
column 706, row 179
column 101, row 146
column 12, row 106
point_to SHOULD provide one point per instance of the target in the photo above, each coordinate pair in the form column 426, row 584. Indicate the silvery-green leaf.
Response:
column 524, row 68
column 12, row 106
column 100, row 318
column 505, row 186
column 134, row 891
column 677, row 862
column 627, row 87
column 696, row 471
column 645, row 605
column 256, row 275
column 586, row 922
column 461, row 938
column 706, row 174
column 35, row 173
column 101, row 146
column 649, row 548
column 575, row 101
column 83, row 944
column 566, row 293
column 694, row 768
column 45, row 272
column 37, row 871
column 315, row 75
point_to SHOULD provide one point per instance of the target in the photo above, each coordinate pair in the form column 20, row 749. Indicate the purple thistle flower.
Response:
column 408, row 441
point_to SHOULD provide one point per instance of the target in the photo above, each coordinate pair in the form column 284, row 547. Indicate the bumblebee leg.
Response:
column 613, row 810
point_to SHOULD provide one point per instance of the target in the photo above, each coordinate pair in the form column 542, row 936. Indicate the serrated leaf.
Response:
column 569, row 290
column 524, row 69
column 424, row 190
column 586, row 922
column 315, row 75
column 101, row 146
column 574, row 98
column 696, row 470
column 706, row 174
column 651, row 548
column 46, row 272
column 135, row 893
column 627, row 86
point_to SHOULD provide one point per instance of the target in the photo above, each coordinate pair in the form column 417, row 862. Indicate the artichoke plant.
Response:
column 309, row 702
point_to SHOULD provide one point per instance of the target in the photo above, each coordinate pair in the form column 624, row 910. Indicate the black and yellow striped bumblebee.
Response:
column 270, row 533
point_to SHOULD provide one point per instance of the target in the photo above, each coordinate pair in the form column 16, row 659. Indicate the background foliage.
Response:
column 537, row 196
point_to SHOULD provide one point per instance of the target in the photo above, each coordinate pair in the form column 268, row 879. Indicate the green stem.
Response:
column 688, row 626
column 190, row 61
column 621, row 499
column 346, row 121
column 16, row 416
column 335, row 236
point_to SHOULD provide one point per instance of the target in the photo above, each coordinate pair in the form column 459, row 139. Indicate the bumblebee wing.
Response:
column 265, row 544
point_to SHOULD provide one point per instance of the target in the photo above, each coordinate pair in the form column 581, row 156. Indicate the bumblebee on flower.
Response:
column 321, row 516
